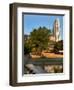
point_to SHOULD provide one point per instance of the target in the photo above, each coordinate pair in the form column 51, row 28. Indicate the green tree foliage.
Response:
column 27, row 46
column 58, row 46
column 40, row 38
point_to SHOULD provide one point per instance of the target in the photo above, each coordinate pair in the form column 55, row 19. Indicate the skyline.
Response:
column 35, row 21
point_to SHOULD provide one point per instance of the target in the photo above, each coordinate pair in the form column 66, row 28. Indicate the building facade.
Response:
column 56, row 31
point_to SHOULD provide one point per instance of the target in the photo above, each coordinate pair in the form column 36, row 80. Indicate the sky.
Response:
column 35, row 21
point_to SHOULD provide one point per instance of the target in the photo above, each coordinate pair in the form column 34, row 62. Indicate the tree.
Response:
column 27, row 46
column 40, row 38
column 58, row 46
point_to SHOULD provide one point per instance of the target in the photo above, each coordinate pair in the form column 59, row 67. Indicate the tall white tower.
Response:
column 56, row 30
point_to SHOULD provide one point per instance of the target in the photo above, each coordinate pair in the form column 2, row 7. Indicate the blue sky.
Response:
column 35, row 21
